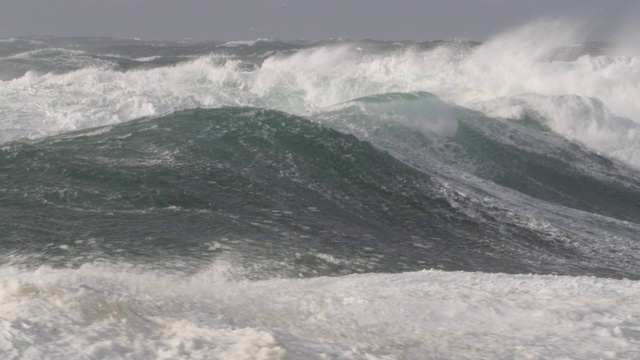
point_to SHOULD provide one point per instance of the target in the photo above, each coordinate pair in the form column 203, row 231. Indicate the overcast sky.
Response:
column 303, row 19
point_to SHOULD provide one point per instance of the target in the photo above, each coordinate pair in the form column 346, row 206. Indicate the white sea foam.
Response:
column 510, row 66
column 585, row 120
column 102, row 312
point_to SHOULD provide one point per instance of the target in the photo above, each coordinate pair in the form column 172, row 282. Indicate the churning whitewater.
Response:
column 320, row 200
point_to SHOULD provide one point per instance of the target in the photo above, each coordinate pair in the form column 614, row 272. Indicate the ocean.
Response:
column 338, row 199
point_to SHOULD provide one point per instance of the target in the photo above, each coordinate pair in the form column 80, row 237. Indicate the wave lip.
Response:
column 584, row 120
column 420, row 111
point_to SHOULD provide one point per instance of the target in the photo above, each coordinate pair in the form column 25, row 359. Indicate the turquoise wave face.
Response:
column 522, row 155
column 282, row 195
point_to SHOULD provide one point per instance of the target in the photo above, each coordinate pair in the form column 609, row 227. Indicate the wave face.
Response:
column 267, row 199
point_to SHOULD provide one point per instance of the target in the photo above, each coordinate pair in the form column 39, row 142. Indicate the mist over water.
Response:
column 334, row 199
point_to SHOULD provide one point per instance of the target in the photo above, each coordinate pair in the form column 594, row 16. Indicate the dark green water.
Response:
column 283, row 195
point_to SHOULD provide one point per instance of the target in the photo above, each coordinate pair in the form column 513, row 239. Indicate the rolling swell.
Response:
column 280, row 194
column 520, row 154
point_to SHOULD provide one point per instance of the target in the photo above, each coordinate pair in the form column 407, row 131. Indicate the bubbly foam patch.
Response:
column 82, row 314
column 115, row 311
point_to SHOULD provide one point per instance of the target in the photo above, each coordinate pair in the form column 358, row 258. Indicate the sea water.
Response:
column 338, row 199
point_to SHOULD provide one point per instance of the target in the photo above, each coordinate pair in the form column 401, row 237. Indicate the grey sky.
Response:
column 301, row 19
